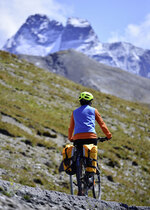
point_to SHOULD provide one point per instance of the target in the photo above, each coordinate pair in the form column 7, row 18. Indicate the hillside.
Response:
column 35, row 109
column 83, row 70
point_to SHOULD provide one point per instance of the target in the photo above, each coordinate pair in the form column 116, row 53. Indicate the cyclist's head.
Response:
column 85, row 98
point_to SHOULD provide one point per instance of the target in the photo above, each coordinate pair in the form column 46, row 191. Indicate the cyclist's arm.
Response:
column 102, row 124
column 71, row 128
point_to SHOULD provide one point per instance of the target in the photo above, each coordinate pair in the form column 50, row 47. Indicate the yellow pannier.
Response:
column 68, row 159
column 90, row 153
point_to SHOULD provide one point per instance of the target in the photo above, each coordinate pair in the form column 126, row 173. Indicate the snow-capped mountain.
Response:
column 41, row 36
column 37, row 36
column 122, row 55
column 78, row 34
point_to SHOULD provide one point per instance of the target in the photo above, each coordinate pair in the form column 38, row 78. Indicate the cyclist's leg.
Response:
column 79, row 168
column 78, row 176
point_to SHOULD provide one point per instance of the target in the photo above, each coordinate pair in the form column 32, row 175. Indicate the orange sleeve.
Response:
column 71, row 128
column 102, row 124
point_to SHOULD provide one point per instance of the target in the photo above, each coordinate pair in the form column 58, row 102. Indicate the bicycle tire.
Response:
column 87, row 184
column 93, row 185
column 80, row 171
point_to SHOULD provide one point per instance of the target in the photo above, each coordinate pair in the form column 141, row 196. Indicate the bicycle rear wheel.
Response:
column 88, row 184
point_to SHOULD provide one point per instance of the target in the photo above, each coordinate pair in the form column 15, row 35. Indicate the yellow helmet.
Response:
column 86, row 96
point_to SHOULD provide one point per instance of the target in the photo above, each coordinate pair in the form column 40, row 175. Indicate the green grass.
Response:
column 41, row 100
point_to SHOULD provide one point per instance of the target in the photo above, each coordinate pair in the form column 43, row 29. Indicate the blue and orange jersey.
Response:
column 82, row 123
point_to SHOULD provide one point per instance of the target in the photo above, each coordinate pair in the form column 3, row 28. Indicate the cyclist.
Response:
column 83, row 122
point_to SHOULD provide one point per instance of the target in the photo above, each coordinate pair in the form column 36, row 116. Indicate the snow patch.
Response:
column 11, row 42
column 44, row 25
column 42, row 38
column 76, row 22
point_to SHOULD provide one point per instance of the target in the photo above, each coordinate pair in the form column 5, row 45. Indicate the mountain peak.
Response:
column 41, row 22
column 79, row 35
column 37, row 36
column 41, row 36
column 36, row 18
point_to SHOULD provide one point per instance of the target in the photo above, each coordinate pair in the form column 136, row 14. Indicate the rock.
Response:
column 27, row 198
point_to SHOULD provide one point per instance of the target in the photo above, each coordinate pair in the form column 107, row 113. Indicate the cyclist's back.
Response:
column 84, row 118
column 83, row 122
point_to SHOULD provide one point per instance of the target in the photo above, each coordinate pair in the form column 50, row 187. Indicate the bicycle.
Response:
column 86, row 181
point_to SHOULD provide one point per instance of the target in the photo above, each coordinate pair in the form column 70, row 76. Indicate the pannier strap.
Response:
column 91, row 167
column 89, row 156
column 88, row 153
column 91, row 159
column 66, row 153
column 66, row 160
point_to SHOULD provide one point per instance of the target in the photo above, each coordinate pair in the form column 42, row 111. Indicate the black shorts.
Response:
column 81, row 142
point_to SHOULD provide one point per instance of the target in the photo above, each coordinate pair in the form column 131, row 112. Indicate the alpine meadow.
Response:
column 35, row 110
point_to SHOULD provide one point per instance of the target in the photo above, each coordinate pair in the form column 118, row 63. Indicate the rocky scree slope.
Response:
column 81, row 69
column 41, row 36
column 35, row 109
column 19, row 197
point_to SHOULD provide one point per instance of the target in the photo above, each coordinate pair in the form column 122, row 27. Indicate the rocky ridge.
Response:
column 19, row 197
column 81, row 69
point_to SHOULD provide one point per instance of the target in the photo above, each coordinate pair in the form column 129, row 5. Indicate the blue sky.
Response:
column 112, row 20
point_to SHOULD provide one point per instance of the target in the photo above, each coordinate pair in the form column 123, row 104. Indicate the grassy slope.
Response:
column 40, row 100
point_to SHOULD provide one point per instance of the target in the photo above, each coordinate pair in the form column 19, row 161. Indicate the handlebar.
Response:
column 102, row 139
